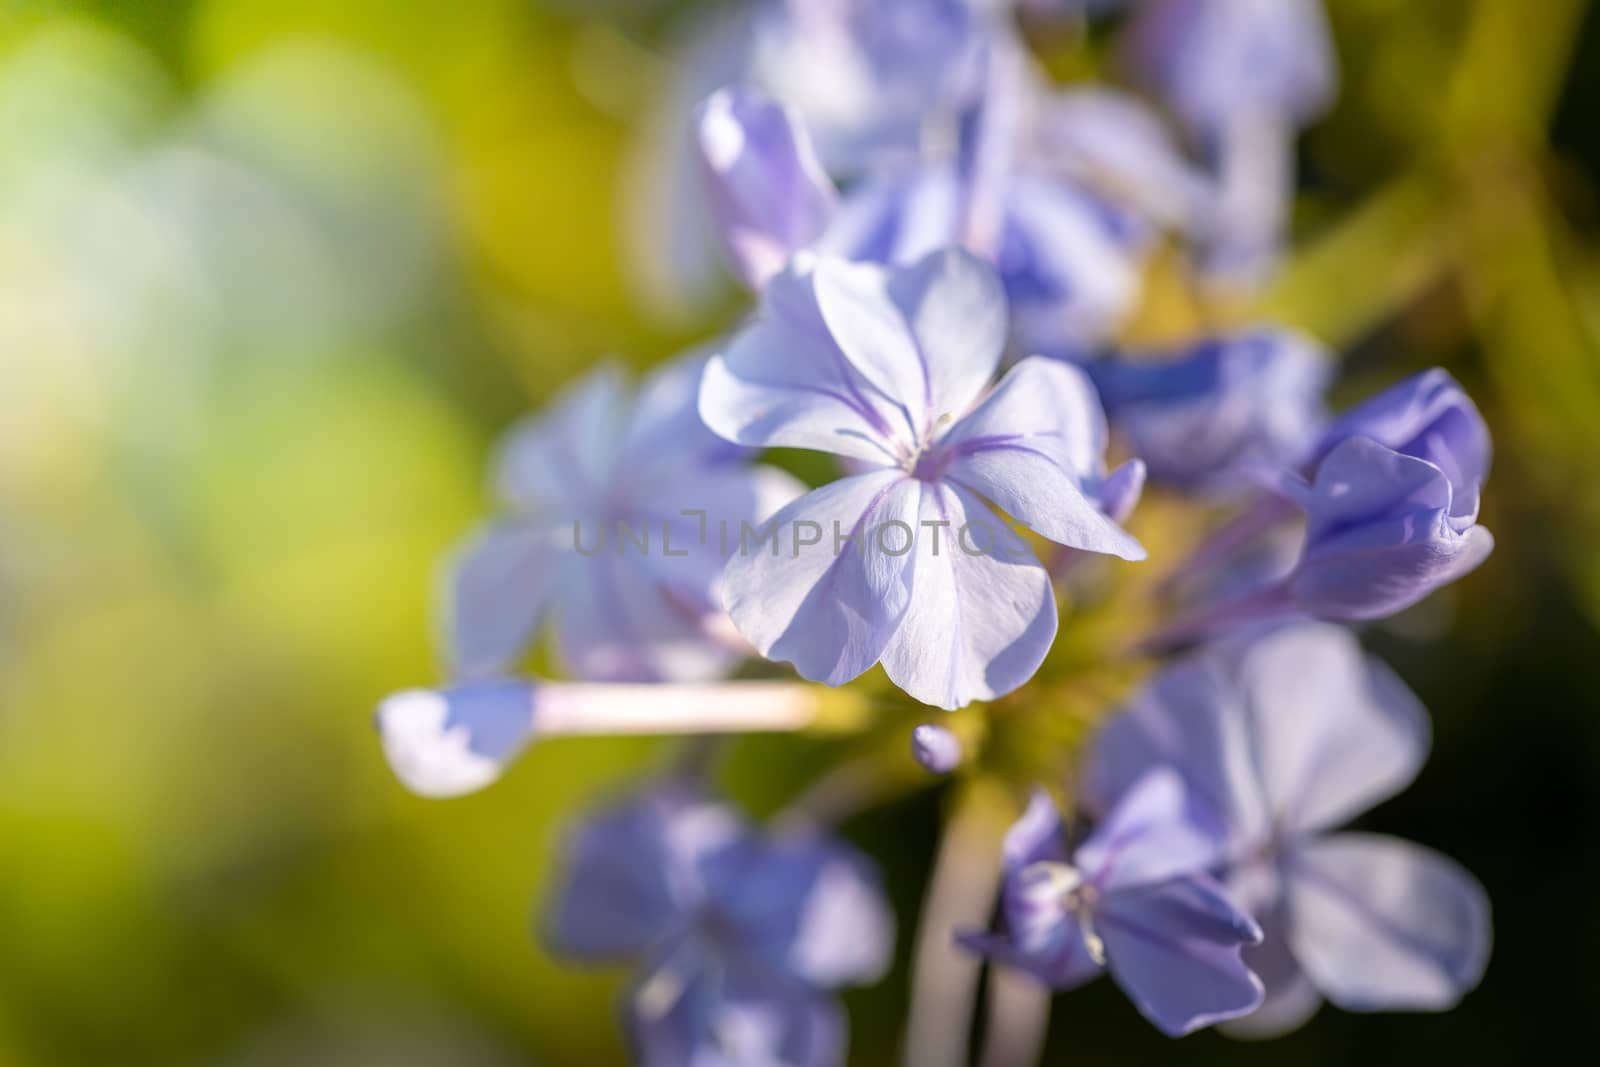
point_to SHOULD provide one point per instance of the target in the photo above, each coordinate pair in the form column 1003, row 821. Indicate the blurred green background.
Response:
column 272, row 275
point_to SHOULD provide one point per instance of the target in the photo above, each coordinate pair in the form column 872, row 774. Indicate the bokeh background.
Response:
column 273, row 273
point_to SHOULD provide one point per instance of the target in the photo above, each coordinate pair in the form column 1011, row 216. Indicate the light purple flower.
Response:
column 1222, row 413
column 1069, row 258
column 616, row 500
column 905, row 563
column 1390, row 494
column 1113, row 144
column 1214, row 61
column 739, row 936
column 769, row 194
column 1287, row 738
column 867, row 75
column 935, row 748
column 870, row 76
column 1244, row 76
column 1134, row 899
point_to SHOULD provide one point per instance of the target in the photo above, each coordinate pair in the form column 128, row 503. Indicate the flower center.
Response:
column 928, row 464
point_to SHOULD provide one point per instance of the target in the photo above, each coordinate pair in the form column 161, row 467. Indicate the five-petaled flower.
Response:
column 739, row 936
column 1134, row 898
column 1287, row 738
column 615, row 500
column 904, row 562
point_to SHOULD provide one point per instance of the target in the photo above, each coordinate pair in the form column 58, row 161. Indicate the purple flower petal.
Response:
column 1174, row 948
column 1036, row 447
column 1191, row 717
column 1213, row 60
column 929, row 335
column 1158, row 830
column 1381, row 534
column 1382, row 924
column 807, row 906
column 634, row 870
column 447, row 742
column 497, row 588
column 1428, row 416
column 784, row 383
column 982, row 612
column 768, row 191
column 1333, row 731
column 829, row 608
column 1039, row 836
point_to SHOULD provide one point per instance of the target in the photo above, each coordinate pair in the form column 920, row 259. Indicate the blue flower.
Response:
column 740, row 937
column 1063, row 220
column 618, row 505
column 1215, row 61
column 869, row 78
column 1224, row 411
column 903, row 563
column 1390, row 494
column 1287, row 738
column 1243, row 75
column 1134, row 899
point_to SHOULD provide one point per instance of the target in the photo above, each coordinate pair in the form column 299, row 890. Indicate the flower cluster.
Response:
column 945, row 250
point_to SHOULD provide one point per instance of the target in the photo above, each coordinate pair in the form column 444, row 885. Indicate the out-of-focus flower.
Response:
column 1134, row 899
column 1226, row 410
column 621, row 510
column 935, row 748
column 1067, row 253
column 1390, row 495
column 740, row 936
column 1112, row 144
column 1213, row 61
column 1288, row 738
column 869, row 77
column 769, row 194
column 904, row 563
column 1244, row 76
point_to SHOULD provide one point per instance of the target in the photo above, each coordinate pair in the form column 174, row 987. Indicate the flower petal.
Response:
column 768, row 191
column 1334, row 731
column 1159, row 829
column 929, row 335
column 1291, row 998
column 559, row 458
column 623, row 618
column 1429, row 416
column 497, row 588
column 635, row 872
column 811, row 907
column 982, row 613
column 1190, row 717
column 447, row 742
column 808, row 596
column 782, row 382
column 1036, row 447
column 1038, row 837
column 1382, row 924
column 1174, row 948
